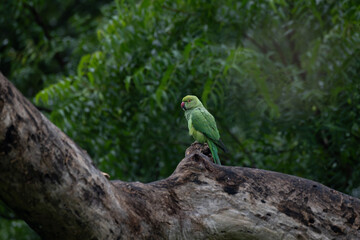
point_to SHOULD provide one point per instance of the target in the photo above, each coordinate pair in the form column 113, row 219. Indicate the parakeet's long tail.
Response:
column 214, row 151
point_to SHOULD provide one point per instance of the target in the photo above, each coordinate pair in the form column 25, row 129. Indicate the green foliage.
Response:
column 273, row 73
column 43, row 40
column 280, row 77
column 12, row 228
column 40, row 42
column 16, row 230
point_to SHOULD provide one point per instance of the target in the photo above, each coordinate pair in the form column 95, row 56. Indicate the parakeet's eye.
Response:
column 189, row 100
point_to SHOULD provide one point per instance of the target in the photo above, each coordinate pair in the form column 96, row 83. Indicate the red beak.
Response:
column 182, row 105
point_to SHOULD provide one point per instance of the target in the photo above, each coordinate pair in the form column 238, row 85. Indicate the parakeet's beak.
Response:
column 183, row 105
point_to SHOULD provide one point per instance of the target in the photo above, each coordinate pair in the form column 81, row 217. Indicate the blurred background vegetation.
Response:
column 281, row 78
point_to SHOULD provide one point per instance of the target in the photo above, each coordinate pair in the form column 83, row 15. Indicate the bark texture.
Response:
column 52, row 184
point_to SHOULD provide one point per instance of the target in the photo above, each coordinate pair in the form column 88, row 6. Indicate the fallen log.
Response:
column 53, row 185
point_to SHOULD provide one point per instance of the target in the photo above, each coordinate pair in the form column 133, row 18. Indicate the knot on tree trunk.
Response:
column 198, row 164
column 198, row 148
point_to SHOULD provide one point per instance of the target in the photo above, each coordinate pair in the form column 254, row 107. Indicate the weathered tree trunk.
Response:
column 52, row 184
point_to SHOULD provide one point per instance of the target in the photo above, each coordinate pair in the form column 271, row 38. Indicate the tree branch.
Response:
column 279, row 51
column 8, row 216
column 45, row 29
column 44, row 109
column 38, row 20
column 52, row 184
column 294, row 53
column 177, row 10
column 241, row 145
column 261, row 47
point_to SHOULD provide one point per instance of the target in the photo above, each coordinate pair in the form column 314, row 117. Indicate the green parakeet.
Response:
column 202, row 125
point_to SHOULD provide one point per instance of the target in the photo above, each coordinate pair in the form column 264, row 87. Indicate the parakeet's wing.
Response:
column 205, row 123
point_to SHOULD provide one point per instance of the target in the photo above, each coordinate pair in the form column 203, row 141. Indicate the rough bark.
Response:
column 52, row 184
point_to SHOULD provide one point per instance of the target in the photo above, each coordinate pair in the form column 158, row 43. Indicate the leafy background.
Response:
column 280, row 77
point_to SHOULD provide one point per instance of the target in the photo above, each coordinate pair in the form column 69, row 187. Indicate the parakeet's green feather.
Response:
column 204, row 122
column 214, row 151
column 202, row 125
column 197, row 135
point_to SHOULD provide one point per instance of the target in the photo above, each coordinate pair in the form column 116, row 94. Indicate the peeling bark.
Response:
column 52, row 184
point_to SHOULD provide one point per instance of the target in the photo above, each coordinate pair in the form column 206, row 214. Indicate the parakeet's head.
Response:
column 190, row 102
